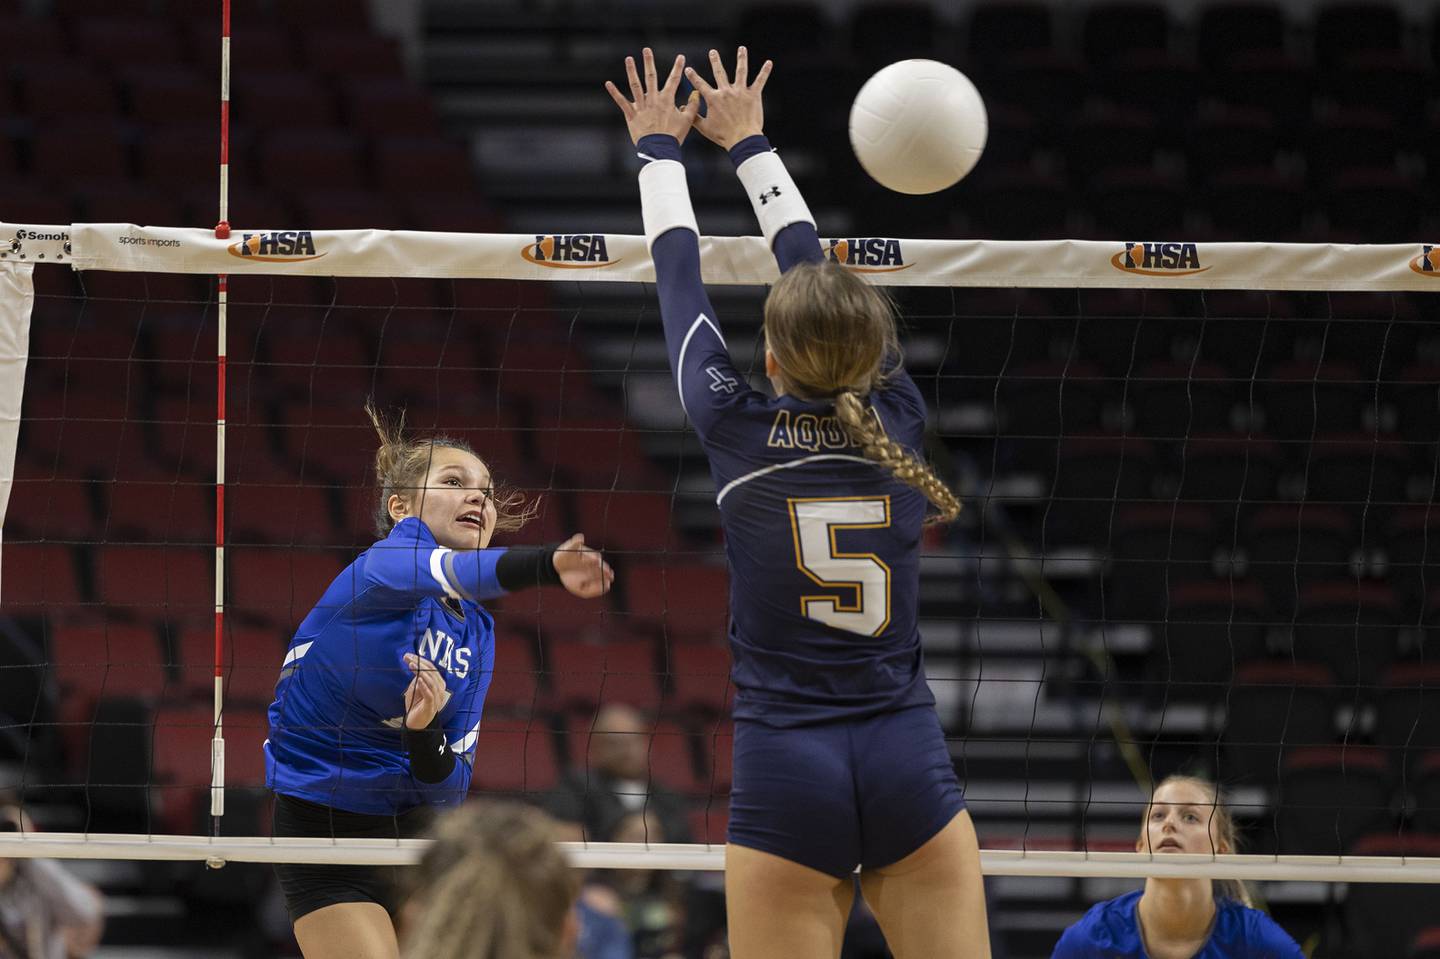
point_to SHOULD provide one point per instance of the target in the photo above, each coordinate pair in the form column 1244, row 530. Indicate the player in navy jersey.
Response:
column 839, row 757
column 378, row 705
column 1180, row 918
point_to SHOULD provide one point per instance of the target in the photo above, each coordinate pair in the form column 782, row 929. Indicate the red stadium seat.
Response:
column 622, row 522
column 52, row 508
column 700, row 676
column 252, row 664
column 1156, row 546
column 161, row 509
column 72, row 93
column 106, row 660
column 405, row 166
column 281, row 585
column 514, row 687
column 1350, row 626
column 1292, row 546
column 1330, row 796
column 156, row 581
column 601, row 454
column 347, row 55
column 684, row 600
column 388, row 107
column 315, row 160
column 276, row 98
column 168, row 98
column 553, row 612
column 181, row 764
column 118, row 40
column 1362, row 468
column 583, row 675
column 1273, row 705
column 39, row 577
column 283, row 514
column 515, row 756
column 32, row 39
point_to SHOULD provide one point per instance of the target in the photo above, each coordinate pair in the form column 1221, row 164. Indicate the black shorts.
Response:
column 308, row 887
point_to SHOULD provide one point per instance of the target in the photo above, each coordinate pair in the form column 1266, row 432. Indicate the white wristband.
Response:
column 665, row 200
column 773, row 194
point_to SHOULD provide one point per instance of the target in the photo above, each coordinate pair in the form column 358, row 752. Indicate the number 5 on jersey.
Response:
column 814, row 523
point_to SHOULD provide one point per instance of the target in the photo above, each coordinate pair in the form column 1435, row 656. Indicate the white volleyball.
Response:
column 918, row 126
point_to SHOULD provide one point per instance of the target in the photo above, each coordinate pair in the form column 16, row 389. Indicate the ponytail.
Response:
column 867, row 433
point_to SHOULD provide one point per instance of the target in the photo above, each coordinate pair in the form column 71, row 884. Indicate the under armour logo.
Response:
column 720, row 382
column 769, row 194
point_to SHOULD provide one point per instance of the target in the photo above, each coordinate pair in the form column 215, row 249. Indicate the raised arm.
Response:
column 734, row 120
column 401, row 568
column 704, row 374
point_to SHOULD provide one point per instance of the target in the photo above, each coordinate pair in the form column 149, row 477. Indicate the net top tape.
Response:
column 742, row 260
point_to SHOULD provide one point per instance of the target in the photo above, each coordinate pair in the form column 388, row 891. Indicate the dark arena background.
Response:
column 1198, row 522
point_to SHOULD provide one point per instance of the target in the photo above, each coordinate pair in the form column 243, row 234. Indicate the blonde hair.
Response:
column 830, row 333
column 402, row 462
column 1222, row 828
column 492, row 885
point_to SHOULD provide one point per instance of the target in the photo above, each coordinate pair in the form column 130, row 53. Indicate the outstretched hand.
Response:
column 426, row 695
column 583, row 571
column 733, row 110
column 653, row 109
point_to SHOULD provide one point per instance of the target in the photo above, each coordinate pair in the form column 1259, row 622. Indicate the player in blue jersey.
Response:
column 378, row 706
column 839, row 757
column 1180, row 918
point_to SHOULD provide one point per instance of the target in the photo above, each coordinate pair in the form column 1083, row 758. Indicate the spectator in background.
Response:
column 45, row 912
column 492, row 885
column 618, row 782
column 1194, row 918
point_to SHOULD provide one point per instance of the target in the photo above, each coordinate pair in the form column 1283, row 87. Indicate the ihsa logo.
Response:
column 1159, row 259
column 284, row 246
column 568, row 251
column 867, row 254
column 1428, row 262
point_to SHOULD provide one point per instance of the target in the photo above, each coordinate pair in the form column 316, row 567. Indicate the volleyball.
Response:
column 918, row 126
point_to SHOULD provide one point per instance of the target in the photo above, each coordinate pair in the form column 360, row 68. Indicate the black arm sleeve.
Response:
column 431, row 760
column 527, row 566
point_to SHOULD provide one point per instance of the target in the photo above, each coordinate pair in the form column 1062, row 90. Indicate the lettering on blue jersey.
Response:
column 721, row 382
column 806, row 431
column 441, row 650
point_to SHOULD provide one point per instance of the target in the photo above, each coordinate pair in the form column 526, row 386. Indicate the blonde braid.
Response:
column 867, row 432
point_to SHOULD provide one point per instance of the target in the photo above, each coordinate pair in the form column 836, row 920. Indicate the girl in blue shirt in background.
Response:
column 1180, row 918
column 377, row 709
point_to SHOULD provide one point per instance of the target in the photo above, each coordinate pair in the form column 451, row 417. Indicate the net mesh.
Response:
column 1196, row 539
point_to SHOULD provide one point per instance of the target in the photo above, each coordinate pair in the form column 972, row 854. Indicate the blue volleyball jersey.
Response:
column 335, row 725
column 823, row 544
column 1111, row 930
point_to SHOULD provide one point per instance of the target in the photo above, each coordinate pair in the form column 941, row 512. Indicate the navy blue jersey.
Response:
column 1111, row 930
column 823, row 544
column 335, row 725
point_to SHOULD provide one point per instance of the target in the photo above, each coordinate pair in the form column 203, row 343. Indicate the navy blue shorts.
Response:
column 867, row 792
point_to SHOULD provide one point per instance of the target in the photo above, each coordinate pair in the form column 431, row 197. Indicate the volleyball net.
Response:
column 1197, row 481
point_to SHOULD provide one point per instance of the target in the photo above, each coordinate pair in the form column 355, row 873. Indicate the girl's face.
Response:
column 1181, row 818
column 455, row 500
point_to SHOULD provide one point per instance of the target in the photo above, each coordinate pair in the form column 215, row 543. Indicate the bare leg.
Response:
column 932, row 902
column 778, row 909
column 347, row 930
